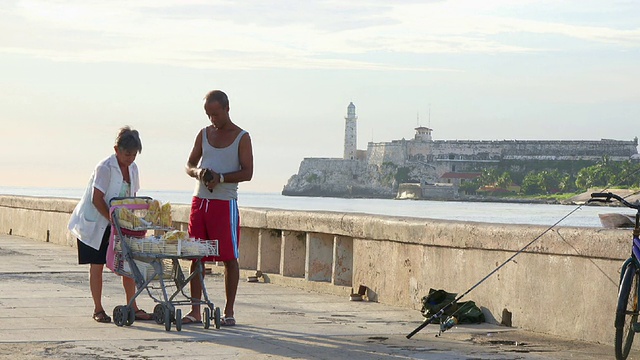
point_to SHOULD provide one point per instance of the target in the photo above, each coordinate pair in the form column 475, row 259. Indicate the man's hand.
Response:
column 207, row 177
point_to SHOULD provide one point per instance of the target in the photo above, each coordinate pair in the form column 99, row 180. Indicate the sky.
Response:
column 73, row 72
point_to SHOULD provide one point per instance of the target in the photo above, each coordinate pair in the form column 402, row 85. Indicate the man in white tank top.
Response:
column 221, row 157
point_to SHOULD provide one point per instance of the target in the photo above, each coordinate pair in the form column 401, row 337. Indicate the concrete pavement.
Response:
column 46, row 311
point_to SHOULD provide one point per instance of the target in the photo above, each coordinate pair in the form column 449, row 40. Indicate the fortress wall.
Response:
column 380, row 153
column 514, row 149
column 335, row 170
column 441, row 156
column 325, row 164
column 483, row 149
column 375, row 153
column 593, row 159
column 571, row 148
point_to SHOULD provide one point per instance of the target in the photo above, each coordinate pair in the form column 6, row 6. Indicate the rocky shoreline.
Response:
column 632, row 196
column 580, row 199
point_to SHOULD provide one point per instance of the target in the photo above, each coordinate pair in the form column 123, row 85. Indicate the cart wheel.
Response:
column 178, row 320
column 206, row 317
column 158, row 314
column 131, row 315
column 216, row 318
column 167, row 319
column 120, row 315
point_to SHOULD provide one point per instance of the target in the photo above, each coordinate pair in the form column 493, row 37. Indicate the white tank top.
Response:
column 222, row 161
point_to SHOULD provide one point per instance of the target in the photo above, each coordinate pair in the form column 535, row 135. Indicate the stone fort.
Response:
column 379, row 170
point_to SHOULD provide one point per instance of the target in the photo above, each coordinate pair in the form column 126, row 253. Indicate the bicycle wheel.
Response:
column 627, row 311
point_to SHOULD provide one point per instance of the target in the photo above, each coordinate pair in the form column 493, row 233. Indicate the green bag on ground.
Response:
column 466, row 312
column 469, row 313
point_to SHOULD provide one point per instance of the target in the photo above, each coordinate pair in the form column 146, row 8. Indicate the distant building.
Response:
column 379, row 170
column 423, row 133
column 457, row 178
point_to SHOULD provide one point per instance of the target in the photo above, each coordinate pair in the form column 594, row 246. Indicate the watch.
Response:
column 221, row 178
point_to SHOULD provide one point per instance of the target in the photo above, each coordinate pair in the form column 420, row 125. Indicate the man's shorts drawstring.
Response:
column 206, row 208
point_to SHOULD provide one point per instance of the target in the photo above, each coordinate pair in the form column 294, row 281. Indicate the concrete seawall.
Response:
column 564, row 284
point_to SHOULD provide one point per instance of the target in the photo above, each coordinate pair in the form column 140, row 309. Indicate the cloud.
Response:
column 285, row 34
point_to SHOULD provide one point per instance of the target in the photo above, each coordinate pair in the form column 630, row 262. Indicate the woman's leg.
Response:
column 95, row 283
column 130, row 290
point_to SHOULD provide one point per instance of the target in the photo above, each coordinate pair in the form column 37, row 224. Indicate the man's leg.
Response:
column 129, row 286
column 196, row 293
column 129, row 289
column 231, row 279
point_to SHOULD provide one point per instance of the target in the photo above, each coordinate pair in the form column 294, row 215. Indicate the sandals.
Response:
column 228, row 321
column 101, row 317
column 143, row 315
column 188, row 319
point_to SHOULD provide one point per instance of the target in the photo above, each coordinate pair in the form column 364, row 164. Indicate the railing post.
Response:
column 342, row 273
column 292, row 253
column 319, row 254
column 269, row 250
column 248, row 248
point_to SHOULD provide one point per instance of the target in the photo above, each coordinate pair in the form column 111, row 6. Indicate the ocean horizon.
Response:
column 487, row 212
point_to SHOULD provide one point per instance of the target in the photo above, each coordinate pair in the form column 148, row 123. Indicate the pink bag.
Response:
column 112, row 262
column 111, row 254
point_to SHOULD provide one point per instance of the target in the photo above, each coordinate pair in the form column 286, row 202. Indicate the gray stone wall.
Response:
column 393, row 152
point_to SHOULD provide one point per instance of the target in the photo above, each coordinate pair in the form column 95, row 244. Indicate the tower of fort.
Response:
column 350, row 133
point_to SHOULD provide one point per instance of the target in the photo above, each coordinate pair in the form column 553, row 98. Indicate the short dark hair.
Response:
column 128, row 139
column 217, row 96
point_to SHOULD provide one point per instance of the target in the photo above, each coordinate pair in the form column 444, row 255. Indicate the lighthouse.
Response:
column 350, row 133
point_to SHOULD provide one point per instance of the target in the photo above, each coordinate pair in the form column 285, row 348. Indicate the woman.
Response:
column 90, row 222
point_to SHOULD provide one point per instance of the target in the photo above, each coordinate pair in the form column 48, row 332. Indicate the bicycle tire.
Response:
column 626, row 311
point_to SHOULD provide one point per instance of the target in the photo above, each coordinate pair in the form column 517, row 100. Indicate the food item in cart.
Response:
column 172, row 237
column 127, row 219
column 129, row 201
column 165, row 215
column 135, row 244
column 156, row 248
column 125, row 224
column 200, row 247
column 153, row 213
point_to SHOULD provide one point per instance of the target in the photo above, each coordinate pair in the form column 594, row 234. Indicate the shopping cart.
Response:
column 158, row 263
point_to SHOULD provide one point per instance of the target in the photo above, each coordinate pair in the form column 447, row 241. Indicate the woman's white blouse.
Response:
column 86, row 223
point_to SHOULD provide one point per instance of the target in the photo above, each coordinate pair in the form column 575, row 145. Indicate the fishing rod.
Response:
column 450, row 321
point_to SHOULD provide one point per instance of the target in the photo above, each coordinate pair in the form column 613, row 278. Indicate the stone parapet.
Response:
column 563, row 283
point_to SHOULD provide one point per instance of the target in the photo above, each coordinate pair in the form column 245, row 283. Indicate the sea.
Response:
column 488, row 212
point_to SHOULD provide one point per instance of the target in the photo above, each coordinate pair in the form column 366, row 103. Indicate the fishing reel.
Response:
column 450, row 322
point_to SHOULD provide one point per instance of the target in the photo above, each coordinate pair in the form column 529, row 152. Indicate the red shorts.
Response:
column 216, row 220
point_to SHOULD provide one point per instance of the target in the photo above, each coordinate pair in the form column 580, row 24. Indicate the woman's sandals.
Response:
column 101, row 317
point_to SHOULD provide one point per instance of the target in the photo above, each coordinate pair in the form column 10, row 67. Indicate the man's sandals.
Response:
column 101, row 317
column 225, row 321
column 143, row 315
column 228, row 321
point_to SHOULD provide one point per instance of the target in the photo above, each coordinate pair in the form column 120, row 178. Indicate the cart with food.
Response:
column 146, row 248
